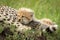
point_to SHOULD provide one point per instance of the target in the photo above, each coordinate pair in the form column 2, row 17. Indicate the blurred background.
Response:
column 42, row 8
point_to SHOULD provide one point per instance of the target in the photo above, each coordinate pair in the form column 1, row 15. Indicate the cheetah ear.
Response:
column 20, row 14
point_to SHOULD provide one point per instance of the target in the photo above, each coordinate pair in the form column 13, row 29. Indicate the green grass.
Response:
column 42, row 8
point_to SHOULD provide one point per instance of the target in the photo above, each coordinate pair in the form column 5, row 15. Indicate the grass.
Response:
column 42, row 8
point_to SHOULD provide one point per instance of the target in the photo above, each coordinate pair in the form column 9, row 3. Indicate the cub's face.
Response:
column 25, row 15
column 49, row 25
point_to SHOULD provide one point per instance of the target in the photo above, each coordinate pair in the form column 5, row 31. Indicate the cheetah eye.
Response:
column 24, row 17
column 31, row 15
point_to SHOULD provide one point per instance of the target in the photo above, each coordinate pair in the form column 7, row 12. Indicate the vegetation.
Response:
column 43, row 9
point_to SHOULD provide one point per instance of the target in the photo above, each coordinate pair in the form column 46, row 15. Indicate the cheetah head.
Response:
column 25, row 15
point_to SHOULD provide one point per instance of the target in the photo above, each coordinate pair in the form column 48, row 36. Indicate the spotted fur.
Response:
column 16, row 17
